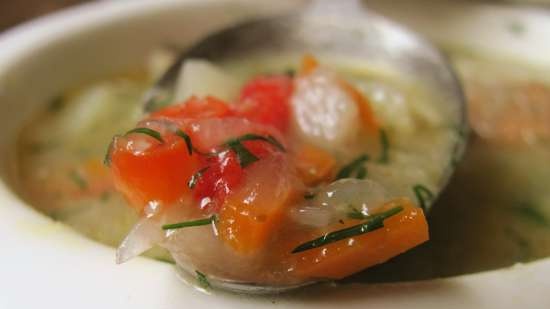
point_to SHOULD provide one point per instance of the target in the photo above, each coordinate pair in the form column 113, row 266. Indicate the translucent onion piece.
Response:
column 143, row 236
column 202, row 78
column 338, row 200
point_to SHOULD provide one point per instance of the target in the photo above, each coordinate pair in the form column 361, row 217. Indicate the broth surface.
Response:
column 493, row 214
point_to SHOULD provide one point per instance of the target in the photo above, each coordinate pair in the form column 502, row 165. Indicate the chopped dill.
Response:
column 385, row 144
column 152, row 133
column 517, row 28
column 187, row 140
column 192, row 223
column 107, row 158
column 56, row 104
column 195, row 178
column 309, row 196
column 372, row 223
column 524, row 248
column 105, row 196
column 355, row 213
column 202, row 280
column 78, row 179
column 354, row 167
column 530, row 213
column 244, row 155
column 424, row 196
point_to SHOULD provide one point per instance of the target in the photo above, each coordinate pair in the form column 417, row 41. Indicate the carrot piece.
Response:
column 363, row 104
column 309, row 64
column 251, row 214
column 314, row 165
column 159, row 173
column 337, row 260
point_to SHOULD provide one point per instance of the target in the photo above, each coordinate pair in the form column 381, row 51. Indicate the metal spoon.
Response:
column 343, row 28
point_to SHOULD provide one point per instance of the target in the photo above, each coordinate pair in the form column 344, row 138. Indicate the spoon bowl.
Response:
column 342, row 28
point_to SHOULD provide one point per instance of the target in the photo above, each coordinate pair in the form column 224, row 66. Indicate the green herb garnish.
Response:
column 105, row 196
column 516, row 28
column 309, row 196
column 244, row 155
column 187, row 139
column 385, row 144
column 530, row 213
column 78, row 180
column 356, row 166
column 423, row 195
column 56, row 104
column 183, row 224
column 255, row 137
column 195, row 178
column 356, row 214
column 372, row 223
column 107, row 158
column 157, row 101
column 152, row 133
column 202, row 280
column 525, row 251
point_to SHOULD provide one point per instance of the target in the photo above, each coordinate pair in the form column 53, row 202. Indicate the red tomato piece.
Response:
column 195, row 108
column 222, row 175
column 265, row 100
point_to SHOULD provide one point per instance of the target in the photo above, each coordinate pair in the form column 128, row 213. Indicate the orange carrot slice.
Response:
column 309, row 64
column 159, row 173
column 314, row 165
column 363, row 104
column 251, row 214
column 337, row 260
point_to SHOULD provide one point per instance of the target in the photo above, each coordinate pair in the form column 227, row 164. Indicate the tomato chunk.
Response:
column 195, row 108
column 220, row 176
column 265, row 100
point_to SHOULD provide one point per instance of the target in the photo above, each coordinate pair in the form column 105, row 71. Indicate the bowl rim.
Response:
column 18, row 42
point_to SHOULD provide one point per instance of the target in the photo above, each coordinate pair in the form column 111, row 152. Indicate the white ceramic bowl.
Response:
column 45, row 264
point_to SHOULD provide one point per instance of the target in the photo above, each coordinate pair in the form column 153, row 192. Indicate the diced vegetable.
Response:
column 363, row 104
column 324, row 113
column 251, row 215
column 222, row 175
column 314, row 165
column 308, row 65
column 202, row 78
column 195, row 108
column 339, row 259
column 146, row 170
column 265, row 100
column 340, row 199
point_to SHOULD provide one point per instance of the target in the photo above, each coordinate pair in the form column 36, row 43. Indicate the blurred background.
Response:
column 13, row 12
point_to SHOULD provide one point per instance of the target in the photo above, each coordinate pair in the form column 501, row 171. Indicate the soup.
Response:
column 64, row 168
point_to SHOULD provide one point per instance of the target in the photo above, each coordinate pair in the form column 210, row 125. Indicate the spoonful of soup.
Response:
column 291, row 150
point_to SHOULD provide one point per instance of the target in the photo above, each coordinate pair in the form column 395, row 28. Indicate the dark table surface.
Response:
column 13, row 12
